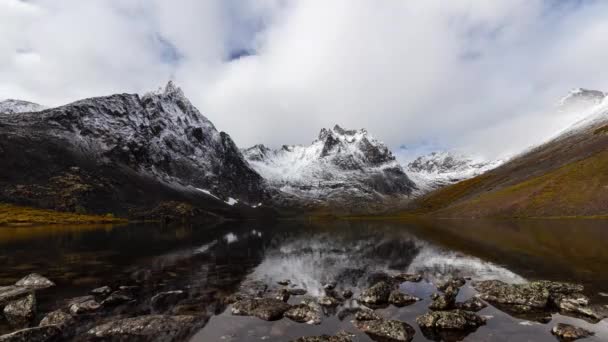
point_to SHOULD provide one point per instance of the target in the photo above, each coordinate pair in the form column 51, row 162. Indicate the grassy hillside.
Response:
column 16, row 215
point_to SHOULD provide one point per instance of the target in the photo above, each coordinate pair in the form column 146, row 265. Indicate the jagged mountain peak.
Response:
column 13, row 106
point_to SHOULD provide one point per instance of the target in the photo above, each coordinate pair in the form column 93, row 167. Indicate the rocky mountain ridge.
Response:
column 12, row 106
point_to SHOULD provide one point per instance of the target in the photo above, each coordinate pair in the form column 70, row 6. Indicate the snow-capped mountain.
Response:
column 12, row 106
column 341, row 168
column 160, row 137
column 442, row 168
column 581, row 97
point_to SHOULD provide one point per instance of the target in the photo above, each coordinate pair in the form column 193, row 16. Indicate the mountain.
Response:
column 565, row 176
column 125, row 154
column 11, row 106
column 348, row 170
column 442, row 168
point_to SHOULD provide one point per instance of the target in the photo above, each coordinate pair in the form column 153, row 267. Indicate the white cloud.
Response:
column 477, row 75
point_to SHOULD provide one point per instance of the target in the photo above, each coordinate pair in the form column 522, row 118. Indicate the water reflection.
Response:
column 210, row 262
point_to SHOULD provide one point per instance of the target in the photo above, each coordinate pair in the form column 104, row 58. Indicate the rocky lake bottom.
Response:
column 442, row 280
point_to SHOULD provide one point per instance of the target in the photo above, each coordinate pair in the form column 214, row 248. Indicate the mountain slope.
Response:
column 566, row 176
column 345, row 169
column 123, row 154
column 11, row 106
column 443, row 168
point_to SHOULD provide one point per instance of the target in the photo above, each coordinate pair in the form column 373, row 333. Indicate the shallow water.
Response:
column 210, row 262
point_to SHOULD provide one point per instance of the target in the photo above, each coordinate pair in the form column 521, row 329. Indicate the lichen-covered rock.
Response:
column 101, row 291
column 567, row 332
column 377, row 294
column 21, row 312
column 328, row 301
column 454, row 282
column 11, row 293
column 35, row 281
column 450, row 320
column 339, row 337
column 83, row 305
column 303, row 313
column 403, row 277
column 386, row 330
column 268, row 309
column 366, row 315
column 473, row 304
column 37, row 334
column 161, row 301
column 398, row 298
column 253, row 288
column 282, row 294
column 144, row 328
column 445, row 300
column 58, row 318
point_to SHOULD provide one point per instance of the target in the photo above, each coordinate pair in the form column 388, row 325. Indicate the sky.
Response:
column 481, row 77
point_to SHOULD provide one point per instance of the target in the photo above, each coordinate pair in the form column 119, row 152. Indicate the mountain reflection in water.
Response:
column 211, row 262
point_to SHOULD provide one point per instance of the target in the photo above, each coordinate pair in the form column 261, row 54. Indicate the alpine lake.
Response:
column 204, row 271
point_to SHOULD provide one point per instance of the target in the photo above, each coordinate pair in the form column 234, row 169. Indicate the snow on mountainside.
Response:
column 159, row 136
column 439, row 169
column 593, row 108
column 340, row 167
column 11, row 106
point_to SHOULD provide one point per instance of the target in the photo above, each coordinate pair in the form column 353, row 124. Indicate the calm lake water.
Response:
column 210, row 262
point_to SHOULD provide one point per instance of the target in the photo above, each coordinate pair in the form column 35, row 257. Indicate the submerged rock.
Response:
column 473, row 304
column 328, row 301
column 268, row 309
column 35, row 281
column 403, row 277
column 58, row 318
column 303, row 313
column 21, row 312
column 366, row 315
column 377, row 294
column 347, row 294
column 284, row 282
column 37, row 334
column 297, row 292
column 398, row 298
column 386, row 330
column 450, row 320
column 282, row 294
column 567, row 332
column 144, row 328
column 330, row 285
column 117, row 298
column 83, row 305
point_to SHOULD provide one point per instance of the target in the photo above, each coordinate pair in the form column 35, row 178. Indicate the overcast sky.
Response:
column 476, row 75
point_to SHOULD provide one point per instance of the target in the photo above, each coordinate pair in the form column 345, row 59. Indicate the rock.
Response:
column 303, row 313
column 144, row 328
column 366, row 315
column 253, row 288
column 403, row 277
column 450, row 320
column 328, row 301
column 117, row 298
column 268, row 309
column 398, row 298
column 386, row 330
column 377, row 294
column 330, row 286
column 297, row 292
column 473, row 304
column 339, row 337
column 284, row 282
column 11, row 293
column 282, row 294
column 37, row 334
column 567, row 332
column 161, row 301
column 445, row 301
column 58, row 318
column 21, row 312
column 347, row 294
column 83, row 305
column 454, row 282
column 35, row 281
column 530, row 295
column 101, row 291
column 235, row 297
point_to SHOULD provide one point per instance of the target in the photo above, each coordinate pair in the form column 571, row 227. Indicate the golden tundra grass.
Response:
column 17, row 215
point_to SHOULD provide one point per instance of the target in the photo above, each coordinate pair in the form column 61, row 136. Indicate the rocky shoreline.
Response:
column 126, row 313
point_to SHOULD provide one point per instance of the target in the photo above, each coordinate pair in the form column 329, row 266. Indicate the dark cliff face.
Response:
column 158, row 146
